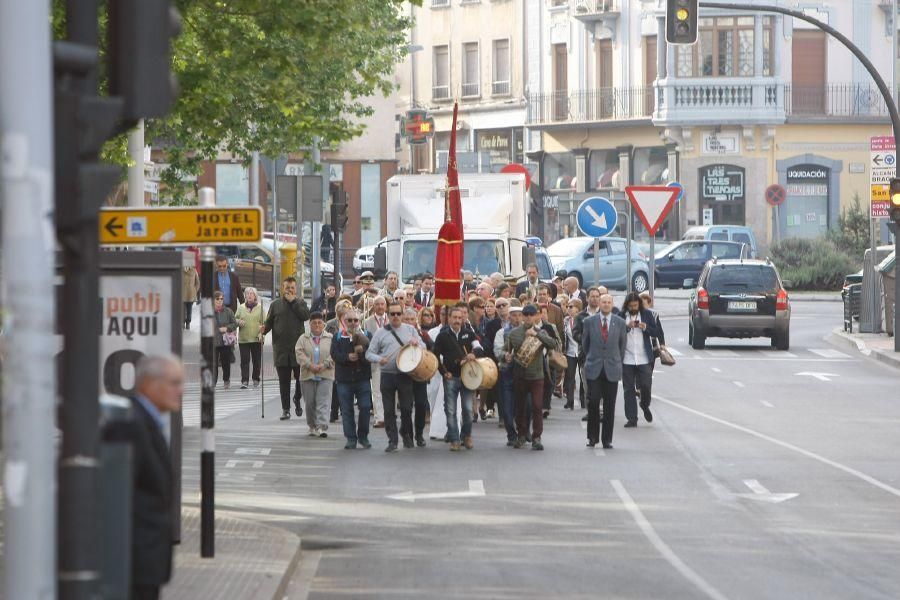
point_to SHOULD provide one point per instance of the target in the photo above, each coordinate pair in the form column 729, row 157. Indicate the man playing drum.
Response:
column 454, row 346
column 525, row 346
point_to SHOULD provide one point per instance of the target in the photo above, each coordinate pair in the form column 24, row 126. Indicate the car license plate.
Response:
column 742, row 306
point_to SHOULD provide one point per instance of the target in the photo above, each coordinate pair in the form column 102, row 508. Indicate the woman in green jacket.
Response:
column 250, row 317
column 225, row 338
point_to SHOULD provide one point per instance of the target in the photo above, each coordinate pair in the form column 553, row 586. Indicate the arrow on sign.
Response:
column 111, row 227
column 652, row 203
column 476, row 488
column 599, row 220
column 761, row 494
column 876, row 160
column 819, row 376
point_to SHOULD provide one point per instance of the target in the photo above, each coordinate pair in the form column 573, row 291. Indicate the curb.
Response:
column 281, row 590
column 839, row 337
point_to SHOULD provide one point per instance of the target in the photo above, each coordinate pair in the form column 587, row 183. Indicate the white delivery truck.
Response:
column 494, row 213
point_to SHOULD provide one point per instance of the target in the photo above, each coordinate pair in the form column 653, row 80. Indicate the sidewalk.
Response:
column 874, row 345
column 252, row 561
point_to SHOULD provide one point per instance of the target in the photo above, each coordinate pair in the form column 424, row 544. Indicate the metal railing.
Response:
column 834, row 100
column 602, row 104
column 439, row 3
column 500, row 88
column 594, row 7
column 471, row 90
column 440, row 92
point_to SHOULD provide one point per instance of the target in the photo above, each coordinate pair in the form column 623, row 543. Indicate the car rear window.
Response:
column 726, row 250
column 741, row 237
column 747, row 279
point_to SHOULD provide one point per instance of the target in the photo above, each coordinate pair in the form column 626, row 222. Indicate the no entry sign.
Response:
column 775, row 194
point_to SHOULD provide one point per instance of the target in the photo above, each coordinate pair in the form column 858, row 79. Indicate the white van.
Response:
column 728, row 233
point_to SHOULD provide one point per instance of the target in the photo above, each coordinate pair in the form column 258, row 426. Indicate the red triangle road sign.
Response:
column 652, row 203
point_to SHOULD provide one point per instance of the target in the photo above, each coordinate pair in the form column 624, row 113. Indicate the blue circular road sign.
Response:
column 680, row 187
column 597, row 217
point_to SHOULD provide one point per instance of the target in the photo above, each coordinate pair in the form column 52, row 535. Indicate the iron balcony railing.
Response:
column 440, row 92
column 500, row 88
column 594, row 7
column 602, row 104
column 471, row 90
column 834, row 100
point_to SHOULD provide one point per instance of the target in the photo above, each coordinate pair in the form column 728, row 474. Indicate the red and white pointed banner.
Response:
column 652, row 203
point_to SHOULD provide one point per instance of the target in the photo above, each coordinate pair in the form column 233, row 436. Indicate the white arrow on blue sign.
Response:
column 675, row 184
column 597, row 217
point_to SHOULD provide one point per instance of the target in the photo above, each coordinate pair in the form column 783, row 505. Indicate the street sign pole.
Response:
column 207, row 391
column 652, row 265
column 596, row 217
column 596, row 261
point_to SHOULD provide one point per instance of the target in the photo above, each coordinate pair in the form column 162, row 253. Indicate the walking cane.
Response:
column 262, row 375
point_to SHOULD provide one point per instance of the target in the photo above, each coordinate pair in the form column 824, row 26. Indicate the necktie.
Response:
column 604, row 330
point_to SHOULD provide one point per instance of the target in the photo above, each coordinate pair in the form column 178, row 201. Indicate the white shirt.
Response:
column 572, row 347
column 635, row 353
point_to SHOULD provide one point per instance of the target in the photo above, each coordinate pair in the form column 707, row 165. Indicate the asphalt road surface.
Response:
column 764, row 474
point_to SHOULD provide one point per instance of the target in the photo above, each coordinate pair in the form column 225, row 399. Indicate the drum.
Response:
column 417, row 362
column 480, row 374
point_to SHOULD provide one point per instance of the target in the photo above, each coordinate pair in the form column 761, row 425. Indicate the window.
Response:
column 470, row 73
column 693, row 251
column 559, row 171
column 484, row 256
column 439, row 3
column 725, row 48
column 603, row 169
column 726, row 250
column 500, row 82
column 747, row 279
column 440, row 78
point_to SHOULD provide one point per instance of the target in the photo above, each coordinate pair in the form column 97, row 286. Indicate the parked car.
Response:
column 253, row 265
column 739, row 298
column 685, row 260
column 364, row 259
column 726, row 233
column 576, row 255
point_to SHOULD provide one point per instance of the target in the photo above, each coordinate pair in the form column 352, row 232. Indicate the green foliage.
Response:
column 813, row 264
column 852, row 232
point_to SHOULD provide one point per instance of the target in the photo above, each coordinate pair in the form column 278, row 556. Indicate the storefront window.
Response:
column 559, row 171
column 806, row 206
column 501, row 146
column 722, row 195
column 603, row 170
column 725, row 48
column 651, row 166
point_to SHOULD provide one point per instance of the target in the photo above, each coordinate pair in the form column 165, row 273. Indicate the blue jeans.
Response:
column 453, row 388
column 508, row 403
column 362, row 391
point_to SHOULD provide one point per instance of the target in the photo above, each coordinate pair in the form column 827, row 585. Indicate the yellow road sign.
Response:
column 880, row 193
column 178, row 226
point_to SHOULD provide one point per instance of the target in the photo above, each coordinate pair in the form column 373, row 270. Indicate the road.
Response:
column 698, row 504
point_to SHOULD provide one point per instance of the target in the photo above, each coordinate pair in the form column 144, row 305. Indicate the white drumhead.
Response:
column 471, row 375
column 409, row 358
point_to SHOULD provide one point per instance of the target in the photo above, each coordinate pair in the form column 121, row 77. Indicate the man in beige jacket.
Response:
column 316, row 374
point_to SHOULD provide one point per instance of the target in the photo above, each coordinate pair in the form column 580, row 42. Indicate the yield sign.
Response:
column 652, row 203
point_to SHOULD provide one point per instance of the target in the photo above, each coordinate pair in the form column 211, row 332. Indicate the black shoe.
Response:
column 350, row 445
column 648, row 416
column 584, row 418
column 364, row 442
column 568, row 407
column 528, row 438
column 607, row 446
column 298, row 409
column 408, row 442
column 631, row 424
column 591, row 443
column 391, row 448
column 482, row 414
column 446, row 438
column 510, row 443
column 546, row 414
column 420, row 442
column 285, row 415
column 323, row 434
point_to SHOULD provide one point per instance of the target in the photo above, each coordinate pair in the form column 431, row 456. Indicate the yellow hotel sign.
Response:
column 180, row 226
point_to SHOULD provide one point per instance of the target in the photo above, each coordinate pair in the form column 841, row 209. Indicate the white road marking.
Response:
column 716, row 370
column 738, row 383
column 828, row 353
column 674, row 352
column 254, row 464
column 584, row 425
column 720, row 353
column 599, row 452
column 767, row 404
column 476, row 489
column 820, row 376
column 661, row 547
column 787, row 445
column 779, row 354
column 761, row 494
column 254, row 451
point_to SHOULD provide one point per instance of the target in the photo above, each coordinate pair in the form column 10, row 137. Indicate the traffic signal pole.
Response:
column 885, row 94
column 29, row 384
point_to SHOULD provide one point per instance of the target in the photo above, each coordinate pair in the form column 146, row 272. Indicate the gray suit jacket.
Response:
column 603, row 357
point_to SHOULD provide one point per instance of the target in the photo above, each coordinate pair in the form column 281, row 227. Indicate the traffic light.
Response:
column 895, row 200
column 140, row 38
column 681, row 21
column 339, row 213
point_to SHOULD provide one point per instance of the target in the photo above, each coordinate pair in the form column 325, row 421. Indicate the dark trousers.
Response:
column 188, row 308
column 523, row 388
column 250, row 351
column 420, row 398
column 491, row 397
column 144, row 592
column 397, row 389
column 224, row 356
column 508, row 403
column 583, row 388
column 569, row 381
column 642, row 377
column 550, row 378
column 285, row 375
column 362, row 392
column 336, row 403
column 601, row 389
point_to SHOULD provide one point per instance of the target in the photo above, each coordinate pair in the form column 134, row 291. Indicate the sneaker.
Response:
column 350, row 445
column 364, row 442
column 490, row 414
column 520, row 441
column 323, row 433
column 468, row 442
column 391, row 448
column 536, row 444
column 454, row 446
column 286, row 415
column 244, row 385
column 312, row 432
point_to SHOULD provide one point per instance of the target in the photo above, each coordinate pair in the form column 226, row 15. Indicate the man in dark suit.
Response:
column 158, row 387
column 529, row 285
column 227, row 282
column 425, row 295
column 603, row 342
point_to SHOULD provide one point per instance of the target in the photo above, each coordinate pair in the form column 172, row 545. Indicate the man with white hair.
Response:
column 570, row 286
column 159, row 381
column 484, row 290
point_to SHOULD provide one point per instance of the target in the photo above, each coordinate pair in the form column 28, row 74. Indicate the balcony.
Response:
column 440, row 92
column 719, row 101
column 500, row 88
column 834, row 101
column 471, row 89
column 590, row 106
column 590, row 11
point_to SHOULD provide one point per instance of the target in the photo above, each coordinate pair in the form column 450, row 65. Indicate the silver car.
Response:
column 576, row 255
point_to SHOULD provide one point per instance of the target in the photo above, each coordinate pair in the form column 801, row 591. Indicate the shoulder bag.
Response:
column 661, row 352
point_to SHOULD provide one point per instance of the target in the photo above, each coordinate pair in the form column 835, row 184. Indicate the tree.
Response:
column 852, row 232
column 272, row 75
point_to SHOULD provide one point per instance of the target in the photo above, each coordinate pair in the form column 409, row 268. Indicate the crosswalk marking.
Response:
column 777, row 354
column 828, row 353
column 227, row 403
column 674, row 352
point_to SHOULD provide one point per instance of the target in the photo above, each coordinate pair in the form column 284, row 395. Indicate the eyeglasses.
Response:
column 352, row 320
column 395, row 314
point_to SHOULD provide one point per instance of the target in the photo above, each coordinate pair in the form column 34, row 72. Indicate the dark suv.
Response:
column 739, row 299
